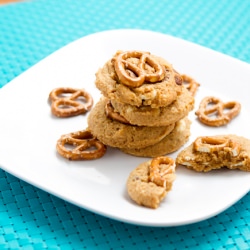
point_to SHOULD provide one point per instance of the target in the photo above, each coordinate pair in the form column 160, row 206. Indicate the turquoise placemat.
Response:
column 33, row 219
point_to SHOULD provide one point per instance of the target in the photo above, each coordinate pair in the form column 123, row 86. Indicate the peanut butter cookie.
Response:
column 116, row 134
column 149, row 183
column 170, row 143
column 162, row 116
column 161, row 92
column 214, row 152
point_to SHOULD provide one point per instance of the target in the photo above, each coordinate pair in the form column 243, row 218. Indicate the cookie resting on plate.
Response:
column 149, row 183
column 214, row 152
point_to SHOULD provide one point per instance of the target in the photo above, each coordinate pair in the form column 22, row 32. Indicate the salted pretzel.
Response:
column 190, row 84
column 160, row 168
column 210, row 144
column 79, row 102
column 85, row 146
column 213, row 112
column 134, row 75
column 110, row 113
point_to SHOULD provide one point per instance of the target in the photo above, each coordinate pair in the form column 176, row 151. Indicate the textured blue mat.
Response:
column 29, row 31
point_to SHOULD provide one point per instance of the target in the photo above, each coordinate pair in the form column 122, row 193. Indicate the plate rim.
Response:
column 97, row 211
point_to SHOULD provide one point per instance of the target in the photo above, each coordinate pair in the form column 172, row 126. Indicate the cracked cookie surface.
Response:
column 215, row 152
column 155, row 95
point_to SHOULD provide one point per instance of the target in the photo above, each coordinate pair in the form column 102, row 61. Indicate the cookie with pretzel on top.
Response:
column 207, row 153
column 150, row 182
column 139, row 78
column 144, row 106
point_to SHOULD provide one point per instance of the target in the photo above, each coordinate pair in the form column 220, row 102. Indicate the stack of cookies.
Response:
column 144, row 105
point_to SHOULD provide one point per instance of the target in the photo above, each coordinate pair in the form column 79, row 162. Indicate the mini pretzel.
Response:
column 211, row 111
column 69, row 106
column 208, row 144
column 134, row 75
column 86, row 146
column 110, row 113
column 190, row 84
column 159, row 169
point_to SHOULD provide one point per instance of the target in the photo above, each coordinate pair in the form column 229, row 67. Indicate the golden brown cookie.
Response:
column 156, row 94
column 142, row 186
column 214, row 152
column 116, row 134
column 170, row 143
column 147, row 116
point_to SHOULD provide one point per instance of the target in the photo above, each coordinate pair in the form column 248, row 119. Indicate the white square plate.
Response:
column 29, row 132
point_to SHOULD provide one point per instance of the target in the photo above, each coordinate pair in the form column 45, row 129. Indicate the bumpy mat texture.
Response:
column 29, row 31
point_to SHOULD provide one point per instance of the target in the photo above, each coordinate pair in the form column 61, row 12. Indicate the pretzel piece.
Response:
column 191, row 85
column 209, row 144
column 159, row 170
column 212, row 111
column 85, row 146
column 134, row 75
column 110, row 113
column 72, row 105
